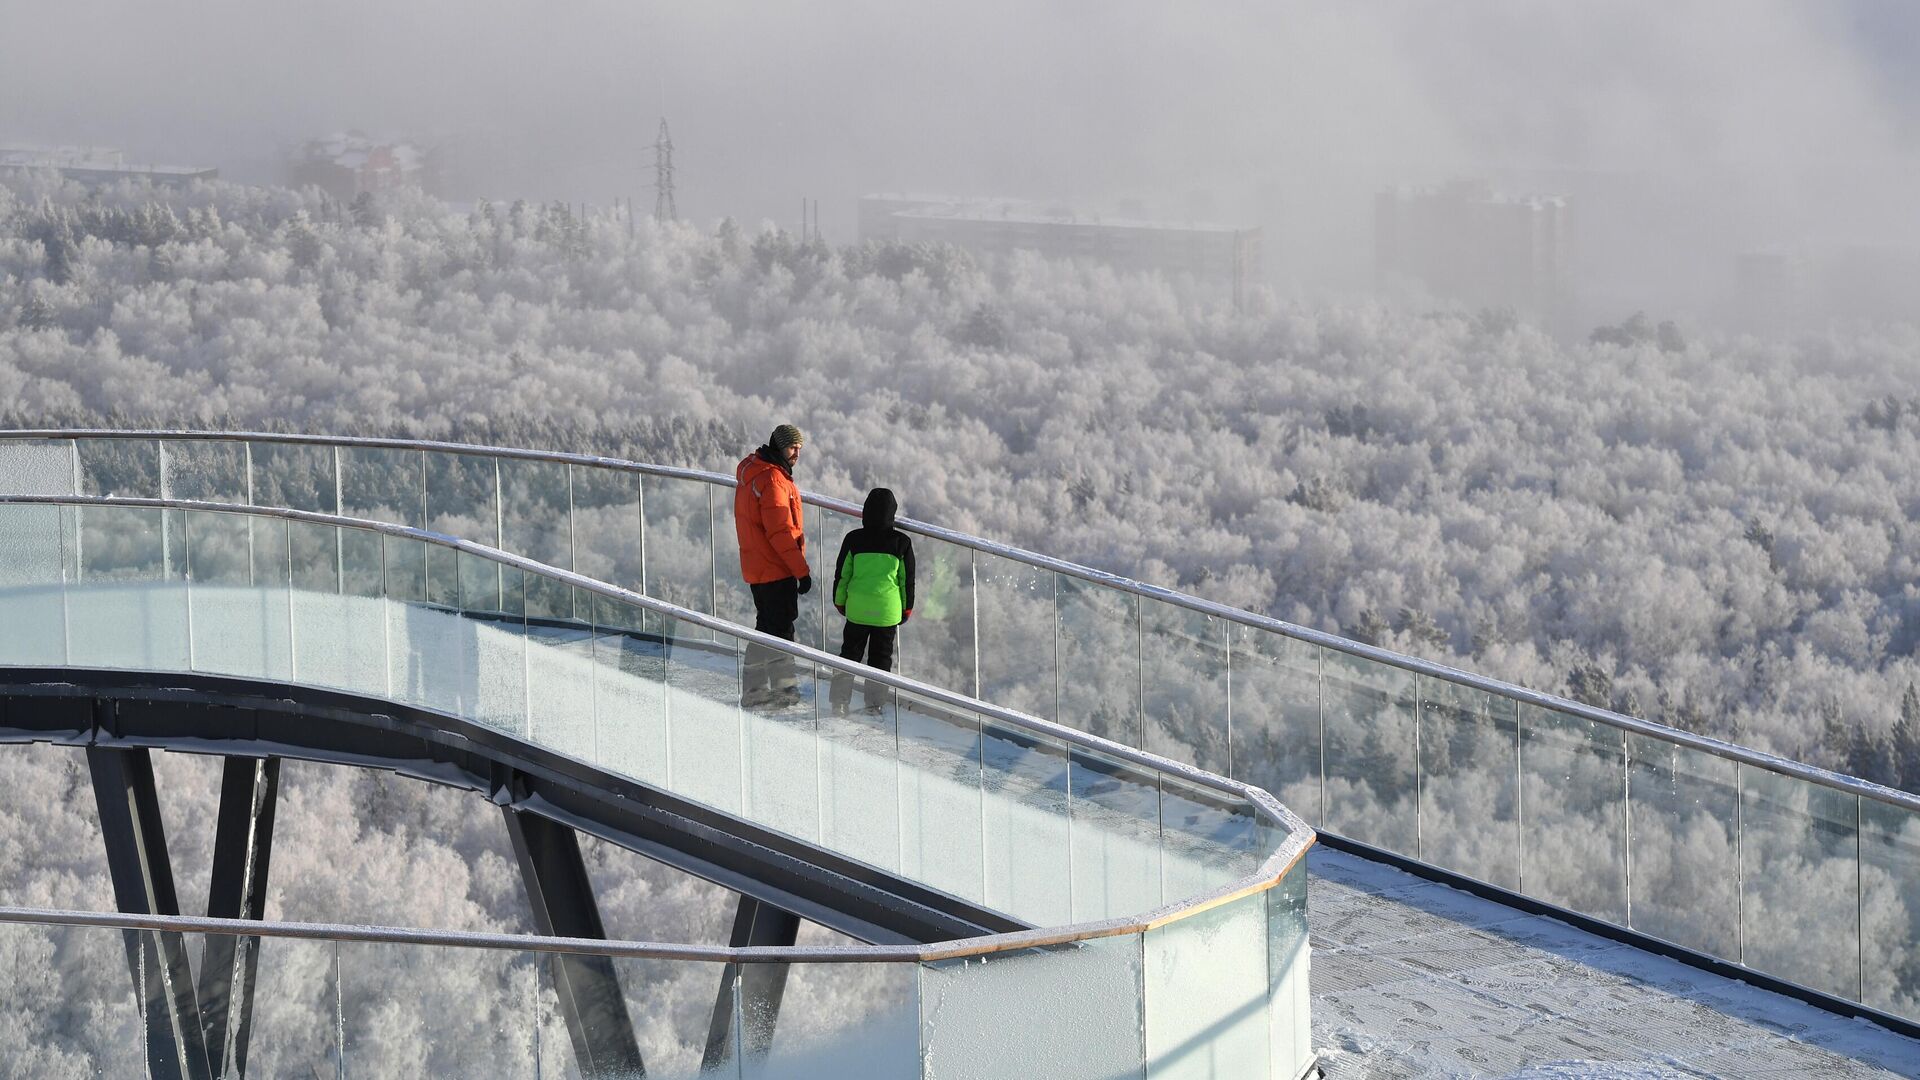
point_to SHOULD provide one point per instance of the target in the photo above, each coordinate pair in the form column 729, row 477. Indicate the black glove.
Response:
column 806, row 584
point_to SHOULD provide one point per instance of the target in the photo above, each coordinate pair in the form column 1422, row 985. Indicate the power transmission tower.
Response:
column 663, row 208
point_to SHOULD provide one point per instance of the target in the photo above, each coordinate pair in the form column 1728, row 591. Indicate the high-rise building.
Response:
column 98, row 165
column 1470, row 244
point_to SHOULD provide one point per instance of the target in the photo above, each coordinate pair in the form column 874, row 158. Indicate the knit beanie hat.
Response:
column 786, row 435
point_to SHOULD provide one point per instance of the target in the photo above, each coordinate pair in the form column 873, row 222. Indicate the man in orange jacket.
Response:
column 773, row 560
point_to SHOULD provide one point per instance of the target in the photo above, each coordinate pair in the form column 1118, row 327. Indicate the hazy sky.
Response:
column 1794, row 118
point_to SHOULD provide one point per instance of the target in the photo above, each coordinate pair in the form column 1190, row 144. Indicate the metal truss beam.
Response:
column 759, row 986
column 136, row 845
column 588, row 986
column 242, row 850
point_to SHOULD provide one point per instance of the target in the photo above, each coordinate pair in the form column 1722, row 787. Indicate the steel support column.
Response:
column 760, row 986
column 143, row 884
column 242, row 848
column 563, row 906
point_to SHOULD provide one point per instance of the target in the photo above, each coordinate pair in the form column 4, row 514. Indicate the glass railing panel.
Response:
column 36, row 543
column 429, row 658
column 339, row 639
column 780, row 756
column 830, row 528
column 1018, row 664
column 130, row 609
column 859, row 761
column 703, row 716
column 562, row 712
column 1028, row 825
column 70, row 1004
column 536, row 521
column 1371, row 719
column 1890, row 880
column 1184, row 685
column 679, row 542
column 940, row 795
column 412, row 1010
column 1289, row 996
column 461, row 501
column 1573, row 812
column 297, row 476
column 1099, row 650
column 37, row 467
column 1206, row 994
column 629, row 691
column 834, row 1021
column 129, row 468
column 1276, row 742
column 1799, row 877
column 1470, row 782
column 1208, row 838
column 381, row 484
column 978, row 1015
column 241, row 612
column 1683, row 843
column 295, row 1024
column 671, row 1003
column 213, row 470
column 607, row 544
column 937, row 644
column 1116, row 837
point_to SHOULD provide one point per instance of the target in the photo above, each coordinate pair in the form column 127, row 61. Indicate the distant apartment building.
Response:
column 349, row 163
column 1468, row 243
column 1216, row 254
column 1781, row 290
column 98, row 165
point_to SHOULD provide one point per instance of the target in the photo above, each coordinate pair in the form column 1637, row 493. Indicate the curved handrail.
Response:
column 1299, row 836
column 1431, row 669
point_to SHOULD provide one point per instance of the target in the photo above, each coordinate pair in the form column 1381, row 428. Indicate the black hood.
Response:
column 880, row 509
column 774, row 457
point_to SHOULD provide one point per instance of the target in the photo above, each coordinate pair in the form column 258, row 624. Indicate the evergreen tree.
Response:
column 1904, row 751
column 36, row 313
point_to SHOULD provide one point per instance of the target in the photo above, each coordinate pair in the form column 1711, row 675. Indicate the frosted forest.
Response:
column 1711, row 532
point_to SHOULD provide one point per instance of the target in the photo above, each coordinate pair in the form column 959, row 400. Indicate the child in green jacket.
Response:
column 873, row 588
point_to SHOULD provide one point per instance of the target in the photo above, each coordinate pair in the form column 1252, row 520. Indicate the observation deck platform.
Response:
column 1412, row 978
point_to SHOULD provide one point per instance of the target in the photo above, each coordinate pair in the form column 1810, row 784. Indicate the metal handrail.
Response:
column 1271, row 870
column 1733, row 751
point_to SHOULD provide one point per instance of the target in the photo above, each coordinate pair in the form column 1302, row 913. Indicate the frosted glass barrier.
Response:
column 1469, row 782
column 703, row 717
column 1116, row 837
column 1276, row 742
column 680, row 538
column 211, row 471
column 1890, row 879
column 1574, row 812
column 37, row 467
column 130, row 610
column 834, row 1021
column 671, row 1005
column 126, row 467
column 1207, row 839
column 536, row 520
column 36, row 550
column 607, row 542
column 1206, row 994
column 70, row 1004
column 937, row 644
column 780, row 757
column 1370, row 715
column 859, row 762
column 563, row 682
column 412, row 1010
column 1027, row 825
column 1799, row 876
column 298, row 476
column 978, row 1015
column 1184, row 685
column 940, row 795
column 629, row 692
column 1289, row 998
column 1099, row 654
column 1685, row 846
column 339, row 638
column 1018, row 667
column 239, row 598
column 462, row 501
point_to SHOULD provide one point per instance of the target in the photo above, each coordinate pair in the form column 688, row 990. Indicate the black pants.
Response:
column 870, row 645
column 776, row 607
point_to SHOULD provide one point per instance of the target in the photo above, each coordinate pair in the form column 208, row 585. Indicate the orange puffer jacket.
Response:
column 767, row 517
